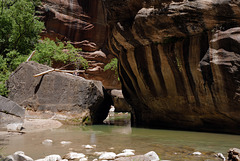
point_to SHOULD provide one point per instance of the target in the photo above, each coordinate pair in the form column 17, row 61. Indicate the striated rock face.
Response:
column 174, row 72
column 77, row 20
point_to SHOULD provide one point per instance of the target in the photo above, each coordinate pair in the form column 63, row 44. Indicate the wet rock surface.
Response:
column 58, row 92
column 234, row 154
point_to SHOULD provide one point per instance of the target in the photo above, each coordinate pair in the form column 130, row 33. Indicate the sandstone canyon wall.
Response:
column 174, row 72
column 178, row 62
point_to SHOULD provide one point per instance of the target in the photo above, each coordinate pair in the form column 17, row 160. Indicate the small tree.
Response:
column 19, row 32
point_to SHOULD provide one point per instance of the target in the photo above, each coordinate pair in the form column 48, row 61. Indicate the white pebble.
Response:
column 19, row 152
column 126, row 154
column 74, row 155
column 197, row 153
column 152, row 155
column 220, row 155
column 53, row 157
column 127, row 150
column 95, row 160
column 40, row 160
column 83, row 159
column 47, row 142
column 87, row 146
column 107, row 156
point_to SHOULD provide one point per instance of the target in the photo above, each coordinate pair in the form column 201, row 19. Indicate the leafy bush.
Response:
column 112, row 65
column 48, row 51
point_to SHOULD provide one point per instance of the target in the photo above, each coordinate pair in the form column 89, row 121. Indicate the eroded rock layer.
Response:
column 84, row 24
column 174, row 72
column 76, row 20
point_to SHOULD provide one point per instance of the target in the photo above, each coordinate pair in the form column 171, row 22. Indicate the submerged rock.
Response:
column 58, row 92
column 89, row 146
column 65, row 142
column 47, row 142
column 197, row 153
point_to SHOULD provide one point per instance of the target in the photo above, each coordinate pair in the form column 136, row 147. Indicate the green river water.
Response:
column 168, row 144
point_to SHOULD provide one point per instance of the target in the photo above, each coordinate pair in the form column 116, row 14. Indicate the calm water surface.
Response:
column 168, row 144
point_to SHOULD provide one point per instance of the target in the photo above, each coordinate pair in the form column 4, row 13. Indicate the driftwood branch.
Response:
column 29, row 58
column 58, row 70
column 45, row 72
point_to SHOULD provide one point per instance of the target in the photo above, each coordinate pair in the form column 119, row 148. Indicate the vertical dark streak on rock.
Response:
column 128, row 95
column 179, row 81
column 204, row 44
column 140, row 57
column 207, row 75
column 186, row 44
column 157, row 66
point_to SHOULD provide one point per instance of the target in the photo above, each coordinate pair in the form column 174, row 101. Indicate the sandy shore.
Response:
column 33, row 125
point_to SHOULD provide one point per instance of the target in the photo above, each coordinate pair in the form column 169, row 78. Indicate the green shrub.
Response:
column 48, row 51
column 112, row 65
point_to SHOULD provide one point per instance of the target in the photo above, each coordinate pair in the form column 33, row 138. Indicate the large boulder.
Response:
column 160, row 47
column 10, row 112
column 58, row 92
